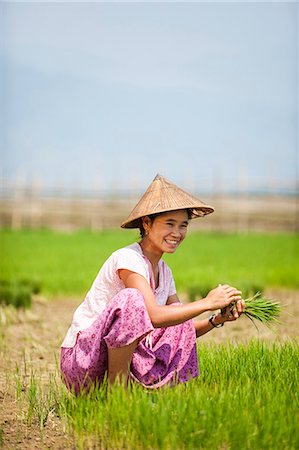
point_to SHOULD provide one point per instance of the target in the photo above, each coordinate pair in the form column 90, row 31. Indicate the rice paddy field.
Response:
column 246, row 396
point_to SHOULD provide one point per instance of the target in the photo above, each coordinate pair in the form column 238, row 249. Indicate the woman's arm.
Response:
column 162, row 316
column 204, row 326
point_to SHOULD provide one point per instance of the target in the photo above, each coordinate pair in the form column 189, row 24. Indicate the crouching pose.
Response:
column 132, row 325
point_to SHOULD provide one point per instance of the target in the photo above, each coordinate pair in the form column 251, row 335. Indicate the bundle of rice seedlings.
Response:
column 262, row 309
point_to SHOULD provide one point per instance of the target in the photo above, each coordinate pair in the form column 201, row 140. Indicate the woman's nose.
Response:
column 176, row 232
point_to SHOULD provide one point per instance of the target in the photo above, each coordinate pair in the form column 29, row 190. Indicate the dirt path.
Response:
column 33, row 339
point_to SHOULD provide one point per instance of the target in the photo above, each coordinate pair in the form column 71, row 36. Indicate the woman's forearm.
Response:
column 202, row 327
column 165, row 316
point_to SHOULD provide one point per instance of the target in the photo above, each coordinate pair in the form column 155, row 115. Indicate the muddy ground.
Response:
column 33, row 338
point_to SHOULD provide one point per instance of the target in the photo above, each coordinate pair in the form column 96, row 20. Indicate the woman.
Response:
column 131, row 324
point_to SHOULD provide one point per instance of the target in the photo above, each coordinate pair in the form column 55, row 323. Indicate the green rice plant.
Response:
column 6, row 293
column 33, row 284
column 22, row 297
column 18, row 384
column 249, row 262
column 16, row 293
column 40, row 399
column 32, row 398
column 258, row 308
column 264, row 310
column 243, row 382
column 237, row 381
column 67, row 263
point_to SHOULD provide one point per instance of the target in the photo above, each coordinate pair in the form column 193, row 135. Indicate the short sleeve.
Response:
column 129, row 259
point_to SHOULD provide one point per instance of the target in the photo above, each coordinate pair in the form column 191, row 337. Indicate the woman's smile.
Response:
column 172, row 243
column 165, row 233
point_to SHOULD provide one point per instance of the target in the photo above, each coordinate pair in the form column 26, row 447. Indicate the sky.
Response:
column 106, row 95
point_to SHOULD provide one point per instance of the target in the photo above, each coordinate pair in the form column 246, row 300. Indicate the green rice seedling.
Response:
column 264, row 310
column 18, row 383
column 23, row 297
column 32, row 398
column 16, row 293
column 34, row 284
column 202, row 259
column 43, row 408
column 243, row 382
column 20, row 378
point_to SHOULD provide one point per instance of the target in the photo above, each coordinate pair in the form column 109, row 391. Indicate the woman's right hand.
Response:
column 222, row 296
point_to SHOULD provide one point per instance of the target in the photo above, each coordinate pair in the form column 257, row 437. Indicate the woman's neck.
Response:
column 153, row 256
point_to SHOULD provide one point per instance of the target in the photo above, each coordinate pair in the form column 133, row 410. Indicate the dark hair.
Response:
column 152, row 217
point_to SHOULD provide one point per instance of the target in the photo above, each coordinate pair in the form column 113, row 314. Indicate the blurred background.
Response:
column 97, row 98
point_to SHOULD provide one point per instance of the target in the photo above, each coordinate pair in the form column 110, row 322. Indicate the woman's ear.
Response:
column 146, row 224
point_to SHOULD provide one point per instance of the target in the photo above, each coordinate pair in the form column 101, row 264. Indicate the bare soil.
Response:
column 32, row 339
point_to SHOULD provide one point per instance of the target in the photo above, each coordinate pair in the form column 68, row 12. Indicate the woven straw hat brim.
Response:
column 163, row 196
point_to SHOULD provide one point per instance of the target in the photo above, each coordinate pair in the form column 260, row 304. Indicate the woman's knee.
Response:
column 132, row 304
column 132, row 295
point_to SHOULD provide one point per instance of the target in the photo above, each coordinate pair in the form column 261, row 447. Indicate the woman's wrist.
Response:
column 216, row 320
column 205, row 303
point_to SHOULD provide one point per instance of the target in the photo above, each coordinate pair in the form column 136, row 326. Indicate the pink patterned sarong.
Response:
column 163, row 355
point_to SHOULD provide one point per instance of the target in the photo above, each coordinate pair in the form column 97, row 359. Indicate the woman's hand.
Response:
column 230, row 313
column 223, row 296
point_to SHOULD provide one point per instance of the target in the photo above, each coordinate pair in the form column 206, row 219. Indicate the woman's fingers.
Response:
column 229, row 290
column 233, row 295
column 227, row 287
column 233, row 312
column 240, row 305
column 235, row 298
column 237, row 310
column 234, row 292
column 225, row 295
column 226, row 311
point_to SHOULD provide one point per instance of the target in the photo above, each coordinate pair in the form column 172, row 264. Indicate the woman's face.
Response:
column 166, row 231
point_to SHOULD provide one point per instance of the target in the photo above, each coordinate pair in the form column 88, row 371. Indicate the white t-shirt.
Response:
column 107, row 284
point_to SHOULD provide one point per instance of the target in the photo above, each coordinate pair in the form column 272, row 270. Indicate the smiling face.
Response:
column 165, row 233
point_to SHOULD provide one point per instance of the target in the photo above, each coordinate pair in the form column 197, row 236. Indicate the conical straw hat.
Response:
column 162, row 196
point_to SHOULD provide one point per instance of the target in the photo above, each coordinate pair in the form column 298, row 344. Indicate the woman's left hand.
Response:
column 230, row 313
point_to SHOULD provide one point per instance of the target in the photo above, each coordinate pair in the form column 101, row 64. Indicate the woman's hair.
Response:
column 152, row 217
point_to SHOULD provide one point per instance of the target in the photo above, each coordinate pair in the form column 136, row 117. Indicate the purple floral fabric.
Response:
column 163, row 355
